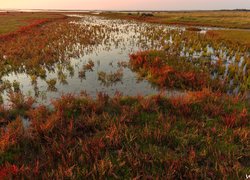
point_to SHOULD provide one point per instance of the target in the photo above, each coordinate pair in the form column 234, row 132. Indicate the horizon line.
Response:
column 120, row 10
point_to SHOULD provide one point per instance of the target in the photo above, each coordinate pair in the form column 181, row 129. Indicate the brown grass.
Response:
column 227, row 19
column 10, row 22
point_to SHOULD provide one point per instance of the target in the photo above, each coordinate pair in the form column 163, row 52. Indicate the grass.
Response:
column 197, row 136
column 222, row 19
column 227, row 19
column 203, row 134
column 26, row 47
column 174, row 72
column 237, row 36
column 168, row 71
column 12, row 21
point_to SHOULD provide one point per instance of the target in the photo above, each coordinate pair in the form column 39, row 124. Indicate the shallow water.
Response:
column 123, row 41
column 121, row 38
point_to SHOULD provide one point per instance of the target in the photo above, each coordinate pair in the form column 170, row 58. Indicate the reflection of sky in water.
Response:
column 123, row 39
column 122, row 42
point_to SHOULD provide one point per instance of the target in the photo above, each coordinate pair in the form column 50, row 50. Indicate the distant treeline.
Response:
column 247, row 10
column 187, row 11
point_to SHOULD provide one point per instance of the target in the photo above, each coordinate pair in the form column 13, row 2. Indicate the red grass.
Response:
column 8, row 170
column 157, row 69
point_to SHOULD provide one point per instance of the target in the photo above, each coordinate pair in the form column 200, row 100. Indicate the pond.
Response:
column 104, row 67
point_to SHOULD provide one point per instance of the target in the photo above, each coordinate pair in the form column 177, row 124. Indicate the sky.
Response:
column 126, row 4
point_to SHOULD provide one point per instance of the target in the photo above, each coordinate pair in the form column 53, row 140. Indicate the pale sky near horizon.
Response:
column 126, row 4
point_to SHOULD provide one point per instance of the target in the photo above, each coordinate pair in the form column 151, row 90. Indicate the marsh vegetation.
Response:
column 99, row 97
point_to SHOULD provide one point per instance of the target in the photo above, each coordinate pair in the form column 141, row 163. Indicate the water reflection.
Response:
column 103, row 67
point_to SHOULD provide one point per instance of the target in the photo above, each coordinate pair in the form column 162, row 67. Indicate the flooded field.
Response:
column 104, row 66
column 120, row 38
column 90, row 96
